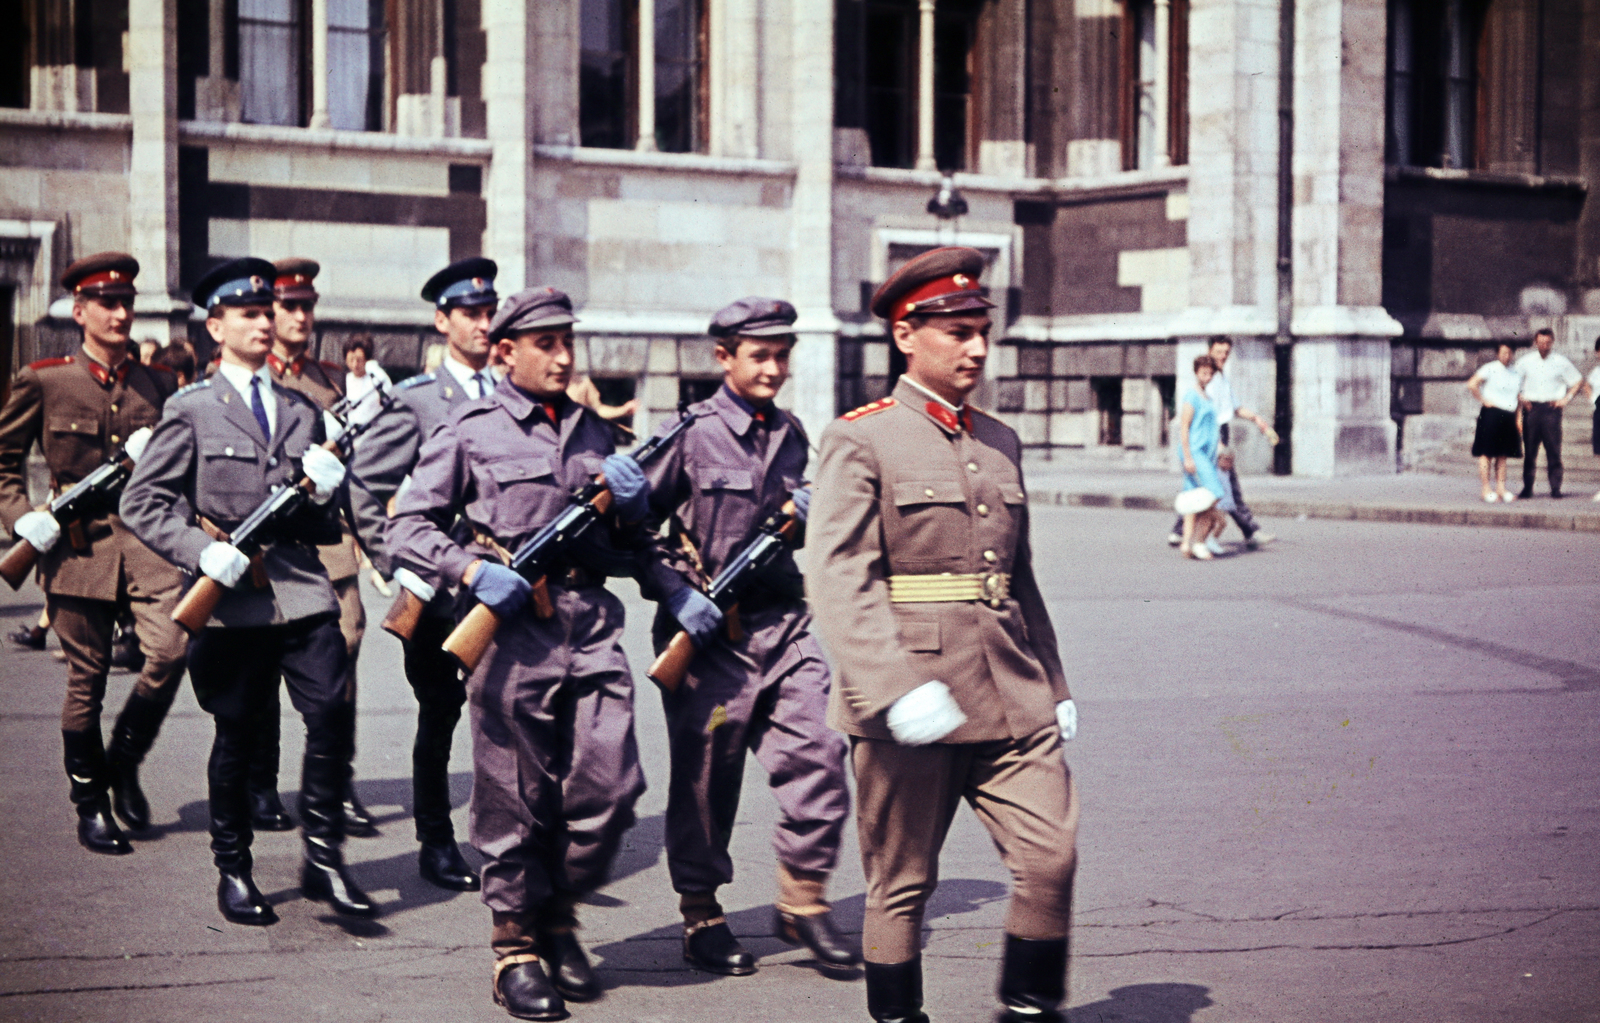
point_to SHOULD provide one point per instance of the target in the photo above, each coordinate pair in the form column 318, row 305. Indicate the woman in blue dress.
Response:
column 1199, row 440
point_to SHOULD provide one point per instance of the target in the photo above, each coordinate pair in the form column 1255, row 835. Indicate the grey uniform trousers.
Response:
column 555, row 762
column 767, row 694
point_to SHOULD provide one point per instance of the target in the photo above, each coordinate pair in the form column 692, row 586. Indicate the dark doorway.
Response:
column 1108, row 400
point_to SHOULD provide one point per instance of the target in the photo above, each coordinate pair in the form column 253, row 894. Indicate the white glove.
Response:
column 926, row 714
column 413, row 582
column 136, row 442
column 1067, row 718
column 325, row 470
column 40, row 529
column 331, row 425
column 224, row 562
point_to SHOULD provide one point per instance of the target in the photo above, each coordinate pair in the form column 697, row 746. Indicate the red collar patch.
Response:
column 952, row 421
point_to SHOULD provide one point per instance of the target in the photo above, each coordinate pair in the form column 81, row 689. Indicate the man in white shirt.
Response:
column 1220, row 392
column 1549, row 380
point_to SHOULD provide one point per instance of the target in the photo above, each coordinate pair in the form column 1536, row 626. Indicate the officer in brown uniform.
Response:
column 294, row 328
column 740, row 462
column 948, row 679
column 555, row 763
column 222, row 447
column 80, row 409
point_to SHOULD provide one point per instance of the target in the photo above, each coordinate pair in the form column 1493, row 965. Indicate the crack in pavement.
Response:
column 132, row 987
column 1575, row 677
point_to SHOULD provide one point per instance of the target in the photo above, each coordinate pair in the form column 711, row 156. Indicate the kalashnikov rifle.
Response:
column 253, row 535
column 775, row 535
column 533, row 559
column 95, row 493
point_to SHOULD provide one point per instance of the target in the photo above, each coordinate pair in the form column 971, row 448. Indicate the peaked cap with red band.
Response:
column 292, row 279
column 943, row 280
column 102, row 275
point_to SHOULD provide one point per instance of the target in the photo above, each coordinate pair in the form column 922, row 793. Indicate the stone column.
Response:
column 810, row 392
column 733, row 65
column 1005, row 150
column 319, row 65
column 153, row 167
column 1162, row 143
column 1090, row 80
column 510, row 29
column 647, row 77
column 925, row 157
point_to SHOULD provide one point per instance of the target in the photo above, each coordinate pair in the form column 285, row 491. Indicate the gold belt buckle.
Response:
column 996, row 588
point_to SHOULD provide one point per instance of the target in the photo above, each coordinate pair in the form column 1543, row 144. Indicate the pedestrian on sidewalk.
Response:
column 1198, row 445
column 1496, row 385
column 1220, row 393
column 1591, row 387
column 1549, row 381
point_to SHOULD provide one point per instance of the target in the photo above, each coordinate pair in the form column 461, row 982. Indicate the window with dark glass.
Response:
column 877, row 78
column 271, row 55
column 891, row 82
column 681, row 97
column 608, row 31
column 1434, row 63
column 955, row 33
column 1146, row 141
column 355, row 64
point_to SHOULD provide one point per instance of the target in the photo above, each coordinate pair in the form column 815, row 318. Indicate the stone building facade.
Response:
column 1116, row 160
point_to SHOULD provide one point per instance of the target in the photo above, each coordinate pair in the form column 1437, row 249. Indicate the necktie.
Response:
column 481, row 383
column 257, row 407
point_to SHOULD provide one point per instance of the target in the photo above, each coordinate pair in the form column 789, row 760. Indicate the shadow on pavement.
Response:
column 1145, row 1003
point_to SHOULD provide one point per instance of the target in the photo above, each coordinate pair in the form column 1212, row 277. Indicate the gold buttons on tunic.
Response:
column 74, row 426
column 115, row 439
column 926, row 493
column 983, row 509
column 113, row 406
column 973, row 466
column 228, row 452
column 991, row 557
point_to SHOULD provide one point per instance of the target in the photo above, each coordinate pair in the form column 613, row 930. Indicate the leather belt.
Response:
column 950, row 588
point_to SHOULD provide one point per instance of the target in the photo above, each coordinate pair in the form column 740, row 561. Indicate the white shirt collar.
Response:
column 238, row 377
column 463, row 373
column 935, row 397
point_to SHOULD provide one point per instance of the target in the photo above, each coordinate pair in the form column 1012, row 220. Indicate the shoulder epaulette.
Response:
column 294, row 395
column 160, row 368
column 983, row 412
column 330, row 367
column 417, row 381
column 64, row 360
column 868, row 409
column 198, row 385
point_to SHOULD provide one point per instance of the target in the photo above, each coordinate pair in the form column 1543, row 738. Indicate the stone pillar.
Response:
column 216, row 96
column 810, row 392
column 1005, row 150
column 925, row 157
column 1162, row 143
column 511, row 29
column 319, row 65
column 647, row 76
column 733, row 66
column 152, row 56
column 1094, row 146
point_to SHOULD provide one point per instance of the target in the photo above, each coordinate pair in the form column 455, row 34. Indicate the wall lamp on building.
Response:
column 947, row 204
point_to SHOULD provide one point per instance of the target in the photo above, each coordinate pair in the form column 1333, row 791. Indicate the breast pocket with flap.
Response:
column 229, row 468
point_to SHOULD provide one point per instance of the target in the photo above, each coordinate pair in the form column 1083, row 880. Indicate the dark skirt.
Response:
column 1596, row 437
column 1497, row 435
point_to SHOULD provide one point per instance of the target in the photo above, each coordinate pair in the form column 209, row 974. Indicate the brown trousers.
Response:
column 85, row 627
column 906, row 797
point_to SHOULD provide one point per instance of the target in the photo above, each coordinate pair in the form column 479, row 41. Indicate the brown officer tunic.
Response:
column 906, row 491
column 79, row 412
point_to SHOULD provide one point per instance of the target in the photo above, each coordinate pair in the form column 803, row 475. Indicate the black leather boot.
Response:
column 712, row 947
column 894, row 992
column 238, row 899
column 522, row 989
column 817, row 933
column 85, row 760
column 131, row 738
column 358, row 822
column 323, row 877
column 568, row 966
column 1033, row 979
column 442, row 864
column 440, row 860
column 266, row 809
column 125, row 650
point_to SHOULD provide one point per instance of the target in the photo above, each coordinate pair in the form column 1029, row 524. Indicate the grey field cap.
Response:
column 754, row 317
column 531, row 309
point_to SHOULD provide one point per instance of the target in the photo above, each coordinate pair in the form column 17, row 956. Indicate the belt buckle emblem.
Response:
column 996, row 588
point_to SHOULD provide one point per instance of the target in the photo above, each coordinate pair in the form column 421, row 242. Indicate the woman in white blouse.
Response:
column 366, row 381
column 1499, row 433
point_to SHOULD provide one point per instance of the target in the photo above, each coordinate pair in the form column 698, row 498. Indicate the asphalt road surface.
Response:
column 1349, row 777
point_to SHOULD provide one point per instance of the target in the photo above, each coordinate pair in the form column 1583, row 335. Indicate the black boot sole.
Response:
column 315, row 887
column 786, row 933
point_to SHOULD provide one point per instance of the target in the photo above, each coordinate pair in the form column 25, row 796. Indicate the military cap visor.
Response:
column 292, row 279
column 533, row 309
column 102, row 275
column 940, row 281
column 754, row 317
column 245, row 281
column 466, row 282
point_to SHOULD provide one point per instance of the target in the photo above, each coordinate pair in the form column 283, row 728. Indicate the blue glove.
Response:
column 699, row 617
column 630, row 491
column 500, row 589
column 801, row 496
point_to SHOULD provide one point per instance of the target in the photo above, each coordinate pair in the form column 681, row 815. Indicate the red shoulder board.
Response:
column 868, row 409
column 65, row 360
column 160, row 368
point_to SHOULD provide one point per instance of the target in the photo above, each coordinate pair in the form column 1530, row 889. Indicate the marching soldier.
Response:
column 464, row 301
column 294, row 325
column 222, row 446
column 740, row 462
column 949, row 682
column 555, row 763
column 80, row 409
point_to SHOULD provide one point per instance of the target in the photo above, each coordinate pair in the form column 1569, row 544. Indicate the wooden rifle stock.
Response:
column 669, row 669
column 197, row 606
column 472, row 637
column 404, row 615
column 76, row 536
column 18, row 562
